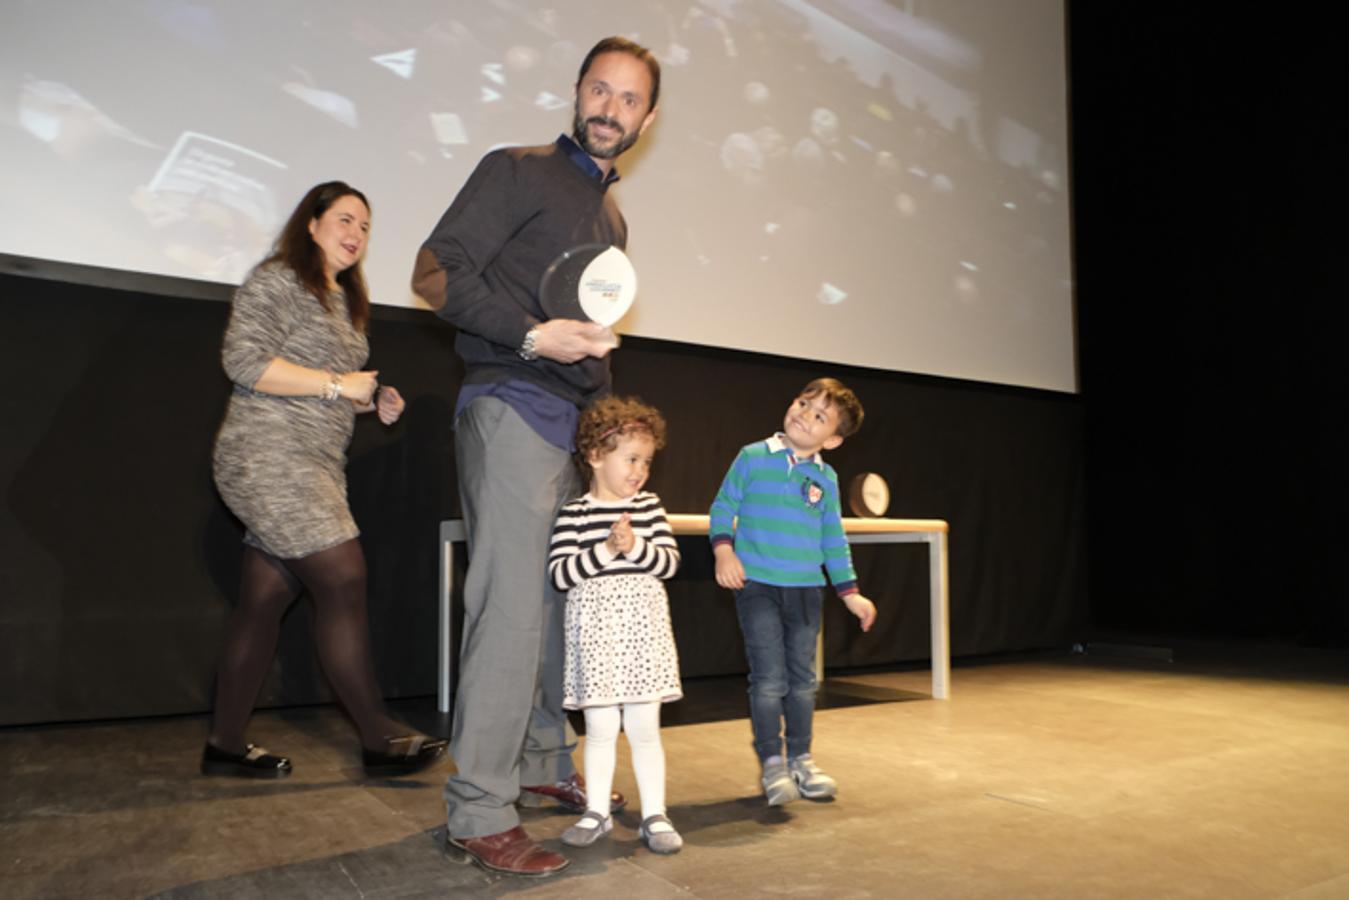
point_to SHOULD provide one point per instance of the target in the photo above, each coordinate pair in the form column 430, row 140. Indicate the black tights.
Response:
column 335, row 580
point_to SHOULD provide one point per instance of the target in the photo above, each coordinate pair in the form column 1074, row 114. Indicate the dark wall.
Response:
column 1213, row 373
column 120, row 563
column 1003, row 466
column 1208, row 439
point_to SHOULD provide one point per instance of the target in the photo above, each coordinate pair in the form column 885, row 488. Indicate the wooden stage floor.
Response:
column 1222, row 774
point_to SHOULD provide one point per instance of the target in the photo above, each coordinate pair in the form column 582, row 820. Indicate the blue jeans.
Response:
column 780, row 626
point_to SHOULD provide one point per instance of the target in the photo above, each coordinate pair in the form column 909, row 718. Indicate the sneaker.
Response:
column 663, row 841
column 810, row 781
column 778, row 785
column 588, row 829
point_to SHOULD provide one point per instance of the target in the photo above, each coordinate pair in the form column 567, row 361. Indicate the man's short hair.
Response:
column 617, row 44
column 842, row 399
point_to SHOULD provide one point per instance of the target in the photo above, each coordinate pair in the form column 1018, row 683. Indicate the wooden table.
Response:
column 932, row 532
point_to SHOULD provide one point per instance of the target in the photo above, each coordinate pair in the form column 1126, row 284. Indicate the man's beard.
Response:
column 581, row 134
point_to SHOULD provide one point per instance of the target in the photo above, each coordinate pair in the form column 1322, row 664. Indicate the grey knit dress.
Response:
column 280, row 462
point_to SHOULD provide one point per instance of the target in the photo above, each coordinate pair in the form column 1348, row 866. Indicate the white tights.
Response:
column 641, row 722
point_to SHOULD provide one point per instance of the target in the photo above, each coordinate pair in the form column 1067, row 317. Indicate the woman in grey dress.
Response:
column 294, row 348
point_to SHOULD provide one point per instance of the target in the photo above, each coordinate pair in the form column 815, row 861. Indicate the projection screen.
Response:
column 881, row 184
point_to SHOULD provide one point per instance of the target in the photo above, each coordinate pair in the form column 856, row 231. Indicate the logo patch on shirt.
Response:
column 812, row 492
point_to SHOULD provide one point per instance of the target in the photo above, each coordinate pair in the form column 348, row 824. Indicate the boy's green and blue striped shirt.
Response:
column 783, row 516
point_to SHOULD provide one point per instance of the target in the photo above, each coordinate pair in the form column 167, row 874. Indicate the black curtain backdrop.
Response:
column 121, row 563
column 1207, row 232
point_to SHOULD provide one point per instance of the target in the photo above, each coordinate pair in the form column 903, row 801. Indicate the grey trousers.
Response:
column 509, row 725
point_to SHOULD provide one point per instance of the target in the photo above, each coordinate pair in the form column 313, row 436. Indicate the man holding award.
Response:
column 531, row 365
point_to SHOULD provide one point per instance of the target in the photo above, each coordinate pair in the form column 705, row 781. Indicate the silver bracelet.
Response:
column 333, row 389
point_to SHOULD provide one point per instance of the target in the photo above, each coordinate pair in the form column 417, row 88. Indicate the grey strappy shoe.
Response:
column 587, row 829
column 663, row 842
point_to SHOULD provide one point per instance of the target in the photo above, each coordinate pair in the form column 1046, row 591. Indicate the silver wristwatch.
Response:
column 527, row 351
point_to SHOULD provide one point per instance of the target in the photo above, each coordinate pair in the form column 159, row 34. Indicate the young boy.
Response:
column 774, row 523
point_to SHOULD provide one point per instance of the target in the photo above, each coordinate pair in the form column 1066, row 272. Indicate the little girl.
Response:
column 610, row 548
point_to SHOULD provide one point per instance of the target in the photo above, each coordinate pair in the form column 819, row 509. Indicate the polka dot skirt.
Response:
column 620, row 647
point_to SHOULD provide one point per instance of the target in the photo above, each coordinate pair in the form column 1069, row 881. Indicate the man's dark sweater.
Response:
column 519, row 210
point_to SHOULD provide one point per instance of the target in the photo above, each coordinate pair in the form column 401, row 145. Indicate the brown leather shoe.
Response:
column 511, row 852
column 569, row 794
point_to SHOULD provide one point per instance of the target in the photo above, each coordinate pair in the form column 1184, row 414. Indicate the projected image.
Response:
column 880, row 184
column 213, row 202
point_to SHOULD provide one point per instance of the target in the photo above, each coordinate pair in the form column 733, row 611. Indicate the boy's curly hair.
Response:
column 607, row 420
column 841, row 398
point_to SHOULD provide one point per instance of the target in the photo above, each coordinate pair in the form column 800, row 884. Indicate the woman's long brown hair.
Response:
column 295, row 248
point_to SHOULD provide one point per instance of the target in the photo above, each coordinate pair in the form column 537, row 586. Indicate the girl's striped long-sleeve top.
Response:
column 578, row 550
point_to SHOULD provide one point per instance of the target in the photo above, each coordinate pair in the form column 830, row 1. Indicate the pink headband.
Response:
column 635, row 424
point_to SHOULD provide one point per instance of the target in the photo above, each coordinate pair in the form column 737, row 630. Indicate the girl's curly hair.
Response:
column 607, row 420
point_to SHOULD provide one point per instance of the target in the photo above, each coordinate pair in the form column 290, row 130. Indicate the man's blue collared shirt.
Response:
column 584, row 162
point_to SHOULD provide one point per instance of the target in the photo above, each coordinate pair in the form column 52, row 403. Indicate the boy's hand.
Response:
column 861, row 607
column 620, row 538
column 730, row 572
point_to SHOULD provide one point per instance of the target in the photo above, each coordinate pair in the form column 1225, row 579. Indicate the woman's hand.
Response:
column 389, row 404
column 358, row 387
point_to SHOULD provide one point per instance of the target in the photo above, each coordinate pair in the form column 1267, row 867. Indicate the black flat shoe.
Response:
column 254, row 762
column 403, row 755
